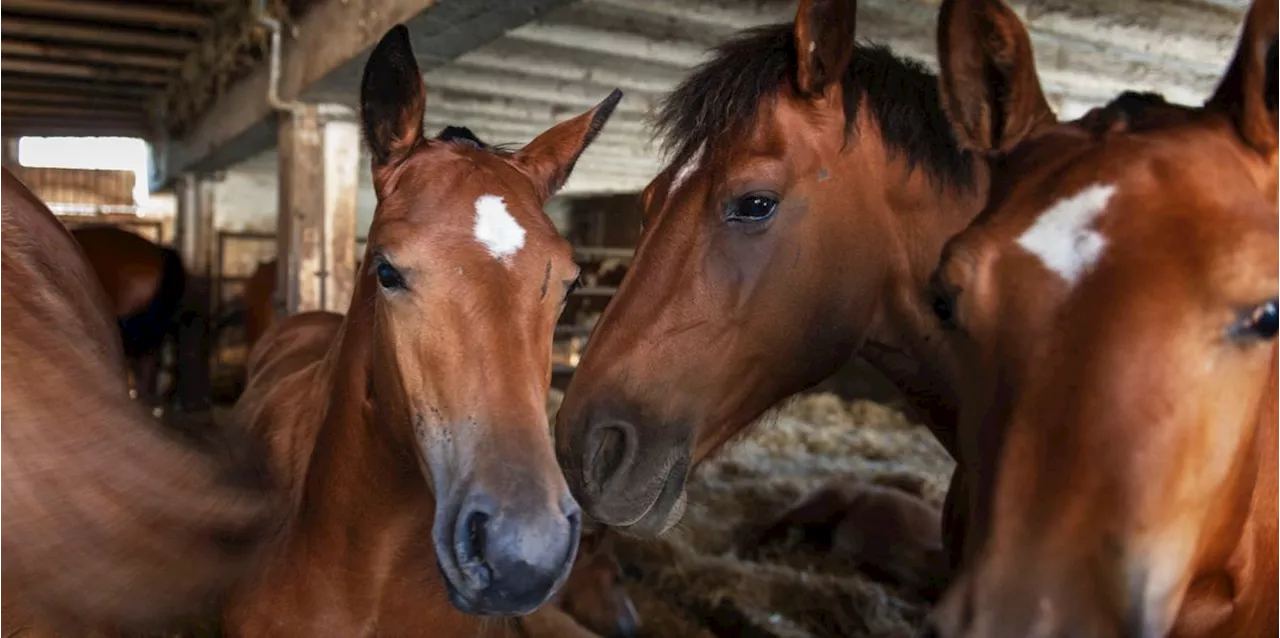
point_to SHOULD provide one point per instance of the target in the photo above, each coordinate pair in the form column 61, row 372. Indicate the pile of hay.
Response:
column 693, row 583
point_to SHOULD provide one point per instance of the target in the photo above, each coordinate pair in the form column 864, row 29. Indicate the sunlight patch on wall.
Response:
column 100, row 153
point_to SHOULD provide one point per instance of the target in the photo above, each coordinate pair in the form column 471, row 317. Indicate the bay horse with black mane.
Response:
column 1115, row 305
column 412, row 432
column 145, row 284
column 812, row 185
column 110, row 521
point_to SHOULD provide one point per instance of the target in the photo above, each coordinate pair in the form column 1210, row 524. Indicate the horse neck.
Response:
column 1254, row 559
column 905, row 342
column 353, row 447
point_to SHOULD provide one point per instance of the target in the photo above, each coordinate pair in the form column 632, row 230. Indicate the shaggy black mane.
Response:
column 719, row 101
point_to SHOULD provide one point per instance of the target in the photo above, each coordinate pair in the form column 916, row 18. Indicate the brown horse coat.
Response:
column 108, row 521
column 412, row 431
column 812, row 185
column 1115, row 305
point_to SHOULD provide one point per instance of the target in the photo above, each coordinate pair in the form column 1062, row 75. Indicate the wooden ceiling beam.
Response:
column 21, row 27
column 59, row 52
column 85, row 71
column 75, row 86
column 52, row 97
column 18, row 126
column 112, row 12
column 90, row 111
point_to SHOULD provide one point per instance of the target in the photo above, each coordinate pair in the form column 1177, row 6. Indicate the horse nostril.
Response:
column 614, row 445
column 475, row 535
column 473, row 561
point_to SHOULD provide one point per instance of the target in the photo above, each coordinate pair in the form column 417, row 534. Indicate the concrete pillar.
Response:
column 194, row 233
column 319, row 167
column 194, row 237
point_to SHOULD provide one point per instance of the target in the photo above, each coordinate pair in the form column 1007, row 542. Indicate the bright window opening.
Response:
column 100, row 153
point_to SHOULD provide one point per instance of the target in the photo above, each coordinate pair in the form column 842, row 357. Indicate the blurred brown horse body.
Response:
column 108, row 521
column 1115, row 305
column 145, row 284
column 412, row 432
column 812, row 186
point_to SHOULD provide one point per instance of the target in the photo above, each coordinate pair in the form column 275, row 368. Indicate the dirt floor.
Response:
column 693, row 582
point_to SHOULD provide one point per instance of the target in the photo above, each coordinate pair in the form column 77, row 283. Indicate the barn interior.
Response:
column 244, row 122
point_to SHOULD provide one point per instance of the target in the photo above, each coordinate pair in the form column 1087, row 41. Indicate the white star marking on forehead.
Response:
column 496, row 229
column 1063, row 237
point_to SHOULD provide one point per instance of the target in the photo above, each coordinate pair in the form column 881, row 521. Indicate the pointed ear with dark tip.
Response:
column 1247, row 92
column 550, row 157
column 393, row 99
column 990, row 89
column 824, row 33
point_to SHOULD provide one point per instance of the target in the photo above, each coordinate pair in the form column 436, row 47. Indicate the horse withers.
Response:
column 1115, row 305
column 145, row 284
column 413, row 430
column 109, row 520
column 812, row 185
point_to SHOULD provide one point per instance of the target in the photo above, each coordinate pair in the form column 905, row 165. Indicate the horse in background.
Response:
column 259, row 301
column 110, row 521
column 145, row 284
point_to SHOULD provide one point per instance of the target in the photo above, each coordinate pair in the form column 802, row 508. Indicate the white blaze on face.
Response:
column 1063, row 237
column 496, row 229
column 685, row 171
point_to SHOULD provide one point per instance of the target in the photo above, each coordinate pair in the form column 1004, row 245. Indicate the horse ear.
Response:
column 990, row 89
column 824, row 31
column 1247, row 92
column 550, row 157
column 393, row 99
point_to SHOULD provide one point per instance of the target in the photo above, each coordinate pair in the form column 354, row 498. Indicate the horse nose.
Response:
column 511, row 560
column 609, row 453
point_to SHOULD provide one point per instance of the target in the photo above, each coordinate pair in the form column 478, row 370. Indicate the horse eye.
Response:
column 575, row 285
column 388, row 276
column 1260, row 323
column 755, row 207
column 942, row 308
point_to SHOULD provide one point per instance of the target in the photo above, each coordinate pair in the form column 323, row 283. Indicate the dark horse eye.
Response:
column 755, row 207
column 388, row 276
column 1260, row 323
column 942, row 308
column 942, row 303
column 574, row 286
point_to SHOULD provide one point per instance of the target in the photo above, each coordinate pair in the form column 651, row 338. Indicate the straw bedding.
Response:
column 693, row 582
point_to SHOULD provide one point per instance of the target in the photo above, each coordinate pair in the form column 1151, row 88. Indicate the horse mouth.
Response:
column 666, row 509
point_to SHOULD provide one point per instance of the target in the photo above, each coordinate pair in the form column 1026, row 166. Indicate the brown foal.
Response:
column 1115, row 305
column 412, row 431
